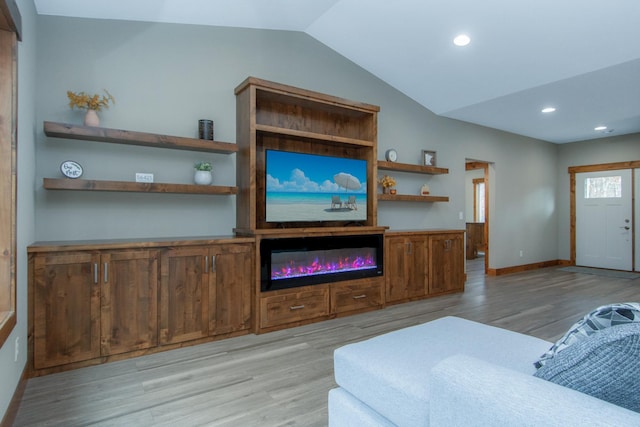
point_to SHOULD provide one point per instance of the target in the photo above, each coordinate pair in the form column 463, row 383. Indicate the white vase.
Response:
column 91, row 118
column 203, row 178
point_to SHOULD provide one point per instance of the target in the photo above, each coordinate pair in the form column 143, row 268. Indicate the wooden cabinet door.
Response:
column 184, row 294
column 447, row 263
column 417, row 266
column 66, row 308
column 395, row 270
column 231, row 280
column 129, row 319
column 406, row 267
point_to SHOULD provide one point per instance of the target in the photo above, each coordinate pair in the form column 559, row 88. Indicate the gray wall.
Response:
column 165, row 77
column 11, row 370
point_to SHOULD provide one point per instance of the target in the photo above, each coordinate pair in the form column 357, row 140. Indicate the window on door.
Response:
column 478, row 200
column 603, row 187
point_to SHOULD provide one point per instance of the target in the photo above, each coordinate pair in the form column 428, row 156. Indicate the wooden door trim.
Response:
column 484, row 166
column 8, row 161
column 601, row 167
column 10, row 19
column 604, row 167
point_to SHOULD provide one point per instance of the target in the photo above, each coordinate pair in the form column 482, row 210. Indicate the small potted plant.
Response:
column 91, row 103
column 388, row 183
column 203, row 173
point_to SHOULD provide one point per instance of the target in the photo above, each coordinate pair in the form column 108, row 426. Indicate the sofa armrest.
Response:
column 468, row 391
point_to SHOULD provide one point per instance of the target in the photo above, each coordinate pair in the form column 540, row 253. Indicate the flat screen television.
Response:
column 304, row 187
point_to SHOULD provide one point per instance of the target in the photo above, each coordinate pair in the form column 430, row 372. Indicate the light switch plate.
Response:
column 144, row 177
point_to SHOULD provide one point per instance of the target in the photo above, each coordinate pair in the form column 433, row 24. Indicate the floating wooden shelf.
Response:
column 405, row 167
column 312, row 135
column 127, row 137
column 411, row 198
column 139, row 187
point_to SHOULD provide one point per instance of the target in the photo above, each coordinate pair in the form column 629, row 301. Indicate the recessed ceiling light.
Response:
column 548, row 110
column 600, row 128
column 461, row 40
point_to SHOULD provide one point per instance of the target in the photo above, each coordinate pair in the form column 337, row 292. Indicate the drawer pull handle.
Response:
column 359, row 296
column 296, row 307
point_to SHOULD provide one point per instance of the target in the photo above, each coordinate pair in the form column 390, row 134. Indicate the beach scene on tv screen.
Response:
column 309, row 187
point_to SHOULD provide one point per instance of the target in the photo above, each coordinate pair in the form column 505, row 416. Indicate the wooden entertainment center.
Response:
column 84, row 311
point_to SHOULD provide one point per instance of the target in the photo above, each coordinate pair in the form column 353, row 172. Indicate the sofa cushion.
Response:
column 346, row 410
column 470, row 392
column 605, row 365
column 600, row 318
column 389, row 373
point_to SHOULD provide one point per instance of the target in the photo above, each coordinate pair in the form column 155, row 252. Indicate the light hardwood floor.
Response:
column 282, row 378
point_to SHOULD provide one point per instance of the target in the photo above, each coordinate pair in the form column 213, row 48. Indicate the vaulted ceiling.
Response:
column 581, row 57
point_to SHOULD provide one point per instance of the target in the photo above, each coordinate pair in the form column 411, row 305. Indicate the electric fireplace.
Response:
column 300, row 261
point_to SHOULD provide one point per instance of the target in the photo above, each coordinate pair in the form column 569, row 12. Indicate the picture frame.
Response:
column 428, row 158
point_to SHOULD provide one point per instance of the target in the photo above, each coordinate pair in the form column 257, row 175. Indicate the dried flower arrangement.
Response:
column 81, row 100
column 387, row 181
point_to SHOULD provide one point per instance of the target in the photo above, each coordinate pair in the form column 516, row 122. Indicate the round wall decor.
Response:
column 71, row 169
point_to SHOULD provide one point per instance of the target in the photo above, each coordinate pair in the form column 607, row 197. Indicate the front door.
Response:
column 604, row 226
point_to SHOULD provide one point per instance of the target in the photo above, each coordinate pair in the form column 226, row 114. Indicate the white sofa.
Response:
column 451, row 372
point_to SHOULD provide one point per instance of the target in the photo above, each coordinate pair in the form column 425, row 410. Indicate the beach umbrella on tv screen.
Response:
column 346, row 180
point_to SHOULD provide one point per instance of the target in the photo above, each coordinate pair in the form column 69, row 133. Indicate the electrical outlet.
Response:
column 521, row 253
column 144, row 177
column 17, row 350
column 460, row 215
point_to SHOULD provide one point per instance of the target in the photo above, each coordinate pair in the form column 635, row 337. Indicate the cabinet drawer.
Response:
column 356, row 297
column 293, row 307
